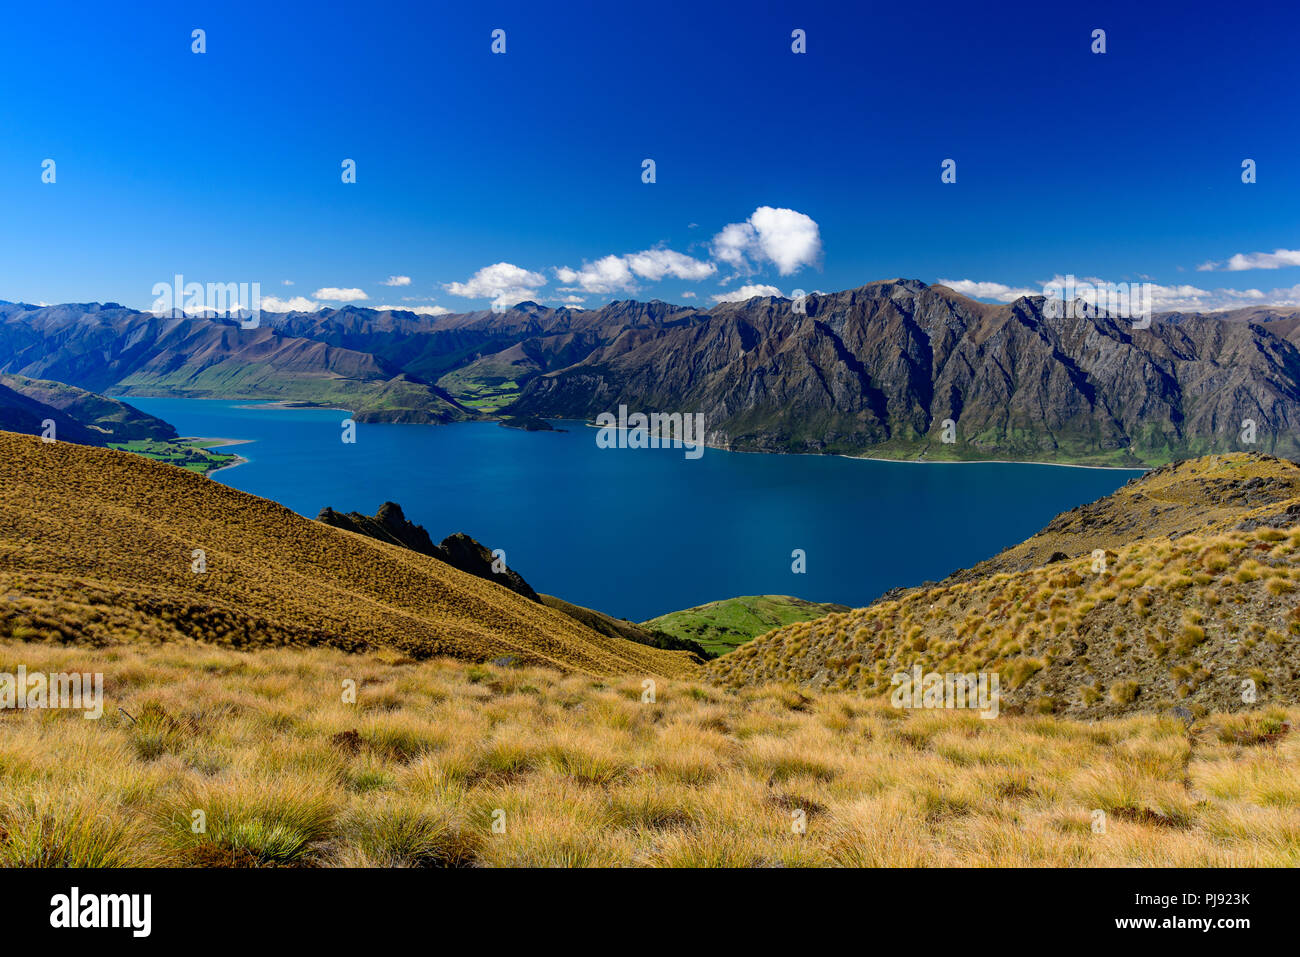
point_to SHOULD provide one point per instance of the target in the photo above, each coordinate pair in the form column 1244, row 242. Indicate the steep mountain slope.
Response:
column 460, row 551
column 876, row 370
column 1160, row 623
column 103, row 347
column 98, row 545
column 881, row 368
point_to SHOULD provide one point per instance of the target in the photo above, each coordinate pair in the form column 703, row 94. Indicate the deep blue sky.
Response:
column 226, row 166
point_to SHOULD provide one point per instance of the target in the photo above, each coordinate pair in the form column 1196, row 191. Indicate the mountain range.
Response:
column 896, row 368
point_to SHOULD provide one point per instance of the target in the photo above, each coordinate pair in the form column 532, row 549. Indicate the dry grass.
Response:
column 1142, row 629
column 98, row 546
column 586, row 773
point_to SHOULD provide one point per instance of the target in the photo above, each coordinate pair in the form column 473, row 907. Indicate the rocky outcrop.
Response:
column 389, row 524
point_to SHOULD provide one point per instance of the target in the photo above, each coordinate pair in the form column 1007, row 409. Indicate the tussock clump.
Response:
column 580, row 774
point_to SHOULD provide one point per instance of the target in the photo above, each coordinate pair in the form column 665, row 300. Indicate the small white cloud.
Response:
column 999, row 292
column 288, row 282
column 419, row 310
column 747, row 292
column 1277, row 259
column 396, row 281
column 655, row 264
column 613, row 273
column 605, row 275
column 688, row 295
column 785, row 238
column 334, row 294
column 504, row 283
column 296, row 304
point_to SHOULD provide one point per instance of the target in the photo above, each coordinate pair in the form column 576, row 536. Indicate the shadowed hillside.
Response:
column 99, row 546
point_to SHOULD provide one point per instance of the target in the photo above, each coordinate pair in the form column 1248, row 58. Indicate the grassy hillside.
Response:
column 609, row 625
column 107, row 419
column 98, row 546
column 1204, row 496
column 1160, row 623
column 723, row 625
column 586, row 772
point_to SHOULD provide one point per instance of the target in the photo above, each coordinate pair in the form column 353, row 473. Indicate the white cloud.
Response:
column 988, row 290
column 731, row 244
column 288, row 282
column 1277, row 259
column 335, row 294
column 747, row 292
column 654, row 264
column 688, row 295
column 396, row 281
column 612, row 273
column 296, row 304
column 419, row 310
column 607, row 274
column 786, row 238
column 504, row 283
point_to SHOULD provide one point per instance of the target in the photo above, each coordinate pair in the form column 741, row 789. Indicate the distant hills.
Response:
column 102, row 546
column 876, row 370
column 1176, row 591
column 78, row 416
column 108, row 348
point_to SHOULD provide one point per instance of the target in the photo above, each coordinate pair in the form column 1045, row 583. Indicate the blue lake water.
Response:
column 639, row 532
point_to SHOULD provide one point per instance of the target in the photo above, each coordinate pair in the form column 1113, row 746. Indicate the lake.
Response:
column 640, row 532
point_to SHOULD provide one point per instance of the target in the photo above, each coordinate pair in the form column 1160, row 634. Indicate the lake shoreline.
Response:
column 875, row 458
column 211, row 442
column 290, row 404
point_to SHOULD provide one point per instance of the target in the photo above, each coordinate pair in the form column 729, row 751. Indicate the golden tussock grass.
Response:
column 99, row 546
column 579, row 770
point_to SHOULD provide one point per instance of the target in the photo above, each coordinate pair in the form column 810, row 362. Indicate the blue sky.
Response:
column 226, row 166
